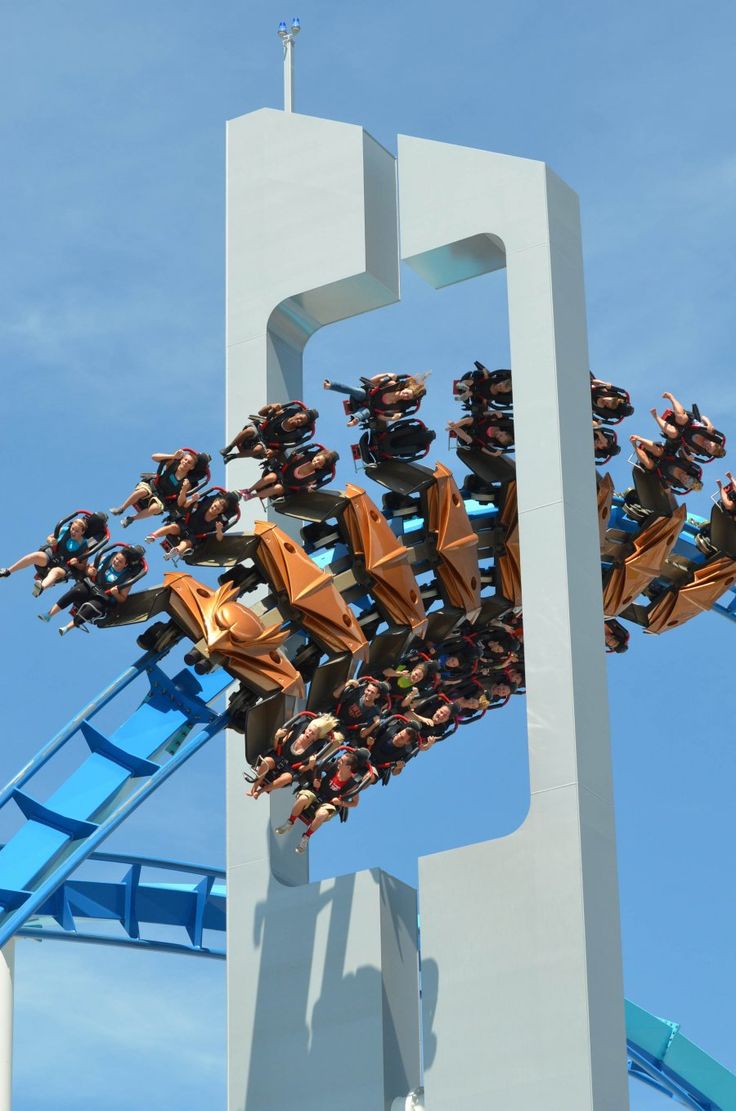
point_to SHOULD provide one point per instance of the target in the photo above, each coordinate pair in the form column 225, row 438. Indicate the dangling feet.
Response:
column 4, row 573
column 126, row 521
column 247, row 495
column 64, row 630
column 116, row 510
column 281, row 830
column 45, row 617
column 302, row 846
column 37, row 588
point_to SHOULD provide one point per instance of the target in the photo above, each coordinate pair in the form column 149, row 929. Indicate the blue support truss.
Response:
column 173, row 721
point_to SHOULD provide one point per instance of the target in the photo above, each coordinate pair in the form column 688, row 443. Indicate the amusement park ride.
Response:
column 410, row 562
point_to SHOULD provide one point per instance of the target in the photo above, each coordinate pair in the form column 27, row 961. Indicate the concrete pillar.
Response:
column 7, row 971
column 311, row 239
column 523, row 932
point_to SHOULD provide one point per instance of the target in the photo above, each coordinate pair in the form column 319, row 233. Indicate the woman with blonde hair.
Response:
column 297, row 746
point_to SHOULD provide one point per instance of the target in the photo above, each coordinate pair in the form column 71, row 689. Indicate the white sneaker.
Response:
column 284, row 828
column 302, row 846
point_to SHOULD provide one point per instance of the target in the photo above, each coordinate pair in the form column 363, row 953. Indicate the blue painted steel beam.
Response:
column 121, row 772
column 59, row 740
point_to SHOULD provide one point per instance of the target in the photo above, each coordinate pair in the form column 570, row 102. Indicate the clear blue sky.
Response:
column 111, row 346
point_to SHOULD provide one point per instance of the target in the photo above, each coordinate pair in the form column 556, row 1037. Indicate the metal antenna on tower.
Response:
column 287, row 36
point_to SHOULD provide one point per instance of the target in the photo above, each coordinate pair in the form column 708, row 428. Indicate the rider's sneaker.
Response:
column 302, row 846
column 284, row 828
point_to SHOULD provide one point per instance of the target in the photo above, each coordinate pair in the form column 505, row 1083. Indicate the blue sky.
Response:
column 111, row 346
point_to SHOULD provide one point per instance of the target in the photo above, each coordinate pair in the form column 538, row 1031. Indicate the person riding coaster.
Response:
column 179, row 475
column 395, row 741
column 727, row 494
column 616, row 636
column 107, row 582
column 359, row 704
column 483, row 389
column 275, row 428
column 492, row 433
column 66, row 551
column 301, row 472
column 334, row 790
column 382, row 398
column 691, row 431
column 675, row 471
column 611, row 404
column 297, row 747
column 605, row 443
column 406, row 440
column 208, row 514
column 437, row 716
column 410, row 681
column 497, row 644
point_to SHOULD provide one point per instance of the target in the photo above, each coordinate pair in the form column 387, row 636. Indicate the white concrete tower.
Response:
column 526, row 1008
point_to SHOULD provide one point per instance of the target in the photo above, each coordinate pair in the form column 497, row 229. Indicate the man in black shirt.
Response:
column 396, row 741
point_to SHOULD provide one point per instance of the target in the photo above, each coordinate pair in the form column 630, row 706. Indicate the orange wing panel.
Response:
column 386, row 561
column 322, row 610
column 678, row 606
column 456, row 543
column 508, row 565
column 651, row 548
column 232, row 634
column 605, row 498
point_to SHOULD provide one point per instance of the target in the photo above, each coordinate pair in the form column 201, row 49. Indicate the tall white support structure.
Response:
column 523, row 1002
column 533, row 945
column 7, row 992
column 311, row 239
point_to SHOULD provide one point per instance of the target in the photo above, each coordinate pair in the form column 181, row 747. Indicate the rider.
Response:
column 395, row 740
column 610, row 403
column 492, row 433
column 296, row 747
column 305, row 470
column 481, row 388
column 61, row 554
column 694, row 434
column 728, row 494
column 105, row 585
column 437, row 717
column 279, row 427
column 210, row 515
column 384, row 397
column 359, row 704
column 674, row 470
column 178, row 473
column 336, row 787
